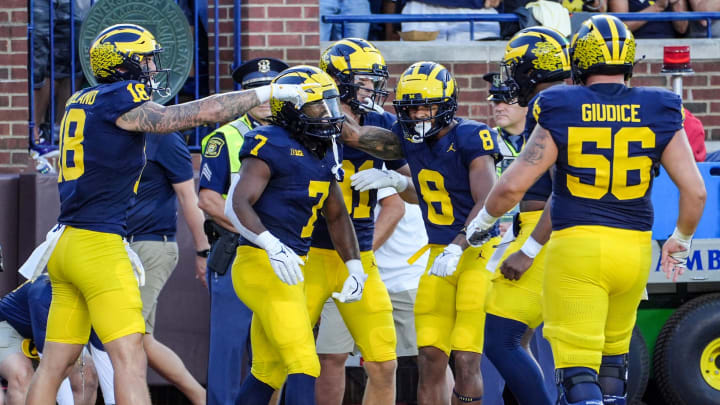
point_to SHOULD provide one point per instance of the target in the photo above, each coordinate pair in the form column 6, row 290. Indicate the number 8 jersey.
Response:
column 100, row 163
column 440, row 174
column 609, row 139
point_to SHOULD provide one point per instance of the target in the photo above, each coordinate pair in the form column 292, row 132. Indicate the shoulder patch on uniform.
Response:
column 214, row 147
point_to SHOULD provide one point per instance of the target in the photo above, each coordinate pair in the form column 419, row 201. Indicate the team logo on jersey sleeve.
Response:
column 214, row 147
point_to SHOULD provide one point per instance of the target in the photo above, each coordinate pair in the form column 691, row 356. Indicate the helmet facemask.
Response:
column 354, row 89
column 418, row 129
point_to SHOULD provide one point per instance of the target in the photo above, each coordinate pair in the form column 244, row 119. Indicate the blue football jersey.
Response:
column 15, row 309
column 360, row 205
column 440, row 175
column 100, row 163
column 298, row 187
column 609, row 139
column 542, row 188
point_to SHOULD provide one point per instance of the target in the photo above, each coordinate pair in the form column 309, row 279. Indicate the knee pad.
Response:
column 567, row 379
column 613, row 378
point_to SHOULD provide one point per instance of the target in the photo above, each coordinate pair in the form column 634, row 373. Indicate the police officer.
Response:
column 229, row 317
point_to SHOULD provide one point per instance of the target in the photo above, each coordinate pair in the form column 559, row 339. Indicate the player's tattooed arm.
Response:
column 153, row 117
column 535, row 159
column 376, row 141
column 534, row 151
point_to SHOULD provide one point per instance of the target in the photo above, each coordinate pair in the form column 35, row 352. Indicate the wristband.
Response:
column 681, row 236
column 354, row 266
column 531, row 247
column 203, row 253
column 485, row 220
column 263, row 93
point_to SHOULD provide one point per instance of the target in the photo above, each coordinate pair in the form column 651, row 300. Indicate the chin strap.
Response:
column 337, row 169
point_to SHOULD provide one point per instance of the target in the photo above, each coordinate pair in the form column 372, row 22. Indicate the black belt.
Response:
column 154, row 237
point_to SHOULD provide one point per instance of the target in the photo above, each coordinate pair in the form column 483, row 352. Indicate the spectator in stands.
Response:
column 334, row 32
column 652, row 29
column 61, row 53
column 151, row 225
column 699, row 28
column 592, row 6
column 453, row 31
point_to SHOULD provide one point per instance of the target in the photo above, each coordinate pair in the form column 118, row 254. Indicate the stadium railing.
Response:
column 508, row 17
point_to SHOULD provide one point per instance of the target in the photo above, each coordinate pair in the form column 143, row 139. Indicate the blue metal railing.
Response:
column 199, row 17
column 507, row 17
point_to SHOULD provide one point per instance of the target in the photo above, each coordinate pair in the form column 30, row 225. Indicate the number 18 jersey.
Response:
column 100, row 163
column 609, row 139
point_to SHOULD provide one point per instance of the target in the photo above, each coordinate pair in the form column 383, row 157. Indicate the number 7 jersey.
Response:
column 100, row 163
column 609, row 139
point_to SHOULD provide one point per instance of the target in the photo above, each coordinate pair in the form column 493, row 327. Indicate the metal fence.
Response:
column 199, row 11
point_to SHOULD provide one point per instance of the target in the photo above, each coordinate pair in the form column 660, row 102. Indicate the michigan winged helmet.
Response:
column 359, row 68
column 602, row 45
column 120, row 52
column 425, row 84
column 534, row 55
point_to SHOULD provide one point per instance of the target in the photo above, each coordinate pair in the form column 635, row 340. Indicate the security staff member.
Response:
column 229, row 317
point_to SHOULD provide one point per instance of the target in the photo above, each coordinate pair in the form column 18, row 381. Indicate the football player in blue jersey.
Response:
column 23, row 322
column 229, row 351
column 452, row 162
column 605, row 140
column 360, row 73
column 535, row 59
column 288, row 177
column 101, row 158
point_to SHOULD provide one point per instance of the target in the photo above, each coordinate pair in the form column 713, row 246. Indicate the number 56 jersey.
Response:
column 100, row 163
column 609, row 139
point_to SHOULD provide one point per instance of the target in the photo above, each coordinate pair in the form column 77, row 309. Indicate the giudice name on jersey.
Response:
column 610, row 112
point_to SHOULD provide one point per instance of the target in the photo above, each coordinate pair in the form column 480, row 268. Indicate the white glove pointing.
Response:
column 446, row 262
column 375, row 178
column 354, row 285
column 283, row 260
column 294, row 93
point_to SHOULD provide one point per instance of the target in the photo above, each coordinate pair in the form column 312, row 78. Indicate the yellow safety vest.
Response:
column 233, row 133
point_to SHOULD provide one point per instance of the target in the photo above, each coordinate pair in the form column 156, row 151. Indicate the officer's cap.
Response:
column 258, row 72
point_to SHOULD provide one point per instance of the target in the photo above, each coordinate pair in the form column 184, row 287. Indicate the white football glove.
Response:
column 355, row 283
column 375, row 178
column 294, row 93
column 446, row 262
column 283, row 260
column 369, row 105
column 478, row 231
